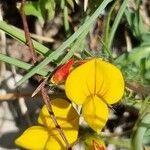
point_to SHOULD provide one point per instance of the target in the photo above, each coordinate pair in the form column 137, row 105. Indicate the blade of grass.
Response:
column 66, row 22
column 18, row 34
column 141, row 126
column 137, row 140
column 107, row 26
column 21, row 64
column 75, row 47
column 64, row 45
column 116, row 22
column 122, row 142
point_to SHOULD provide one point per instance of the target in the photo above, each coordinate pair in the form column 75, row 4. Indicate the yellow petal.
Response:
column 113, row 86
column 48, row 137
column 95, row 113
column 38, row 138
column 56, row 142
column 34, row 138
column 79, row 84
column 64, row 112
column 96, row 77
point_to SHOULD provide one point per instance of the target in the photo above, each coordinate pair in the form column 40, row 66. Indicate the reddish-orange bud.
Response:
column 62, row 72
column 98, row 146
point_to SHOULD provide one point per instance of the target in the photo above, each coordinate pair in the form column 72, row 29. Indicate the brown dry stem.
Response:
column 43, row 89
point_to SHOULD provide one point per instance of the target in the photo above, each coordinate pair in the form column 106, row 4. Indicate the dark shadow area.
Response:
column 7, row 140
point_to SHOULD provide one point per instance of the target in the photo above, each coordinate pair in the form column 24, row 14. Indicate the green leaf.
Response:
column 42, row 9
column 50, row 7
column 47, row 8
column 136, row 55
column 32, row 8
column 135, row 64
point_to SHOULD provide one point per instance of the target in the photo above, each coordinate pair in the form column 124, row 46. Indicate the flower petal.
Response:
column 48, row 137
column 33, row 138
column 113, row 86
column 64, row 112
column 56, row 142
column 96, row 77
column 95, row 113
column 79, row 84
column 62, row 72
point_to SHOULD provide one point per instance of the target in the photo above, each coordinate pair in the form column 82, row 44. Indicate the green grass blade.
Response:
column 20, row 64
column 60, row 50
column 18, row 34
column 116, row 22
column 66, row 21
column 143, row 125
column 107, row 26
column 75, row 47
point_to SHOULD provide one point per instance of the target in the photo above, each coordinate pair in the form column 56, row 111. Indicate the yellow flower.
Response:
column 45, row 136
column 95, row 85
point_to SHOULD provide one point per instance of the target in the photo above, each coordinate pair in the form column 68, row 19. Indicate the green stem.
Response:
column 66, row 22
column 116, row 22
column 107, row 26
column 143, row 125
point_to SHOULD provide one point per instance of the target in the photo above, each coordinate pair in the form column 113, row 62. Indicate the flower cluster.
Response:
column 95, row 85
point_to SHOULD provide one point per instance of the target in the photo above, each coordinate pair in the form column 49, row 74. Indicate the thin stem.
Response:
column 107, row 26
column 51, row 113
column 42, row 86
column 116, row 22
column 27, row 33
